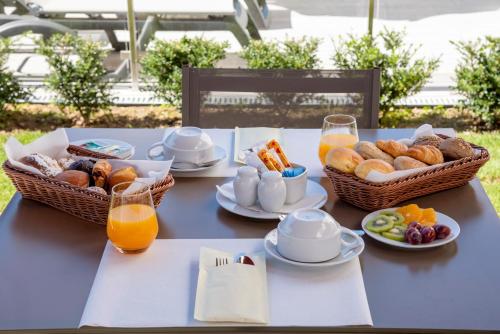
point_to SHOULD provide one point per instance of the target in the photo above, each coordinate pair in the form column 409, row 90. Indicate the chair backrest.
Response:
column 225, row 98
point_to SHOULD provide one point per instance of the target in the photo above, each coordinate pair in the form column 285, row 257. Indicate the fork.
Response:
column 221, row 261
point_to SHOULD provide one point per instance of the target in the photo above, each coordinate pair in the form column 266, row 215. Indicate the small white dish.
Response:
column 296, row 186
column 310, row 235
column 124, row 150
column 346, row 254
column 316, row 196
column 219, row 155
column 441, row 219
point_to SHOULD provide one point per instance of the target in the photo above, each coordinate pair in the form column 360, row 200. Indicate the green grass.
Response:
column 488, row 174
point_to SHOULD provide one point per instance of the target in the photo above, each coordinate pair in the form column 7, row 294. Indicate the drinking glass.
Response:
column 132, row 223
column 338, row 131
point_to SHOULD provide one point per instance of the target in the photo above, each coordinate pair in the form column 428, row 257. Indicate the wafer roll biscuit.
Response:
column 264, row 156
column 274, row 145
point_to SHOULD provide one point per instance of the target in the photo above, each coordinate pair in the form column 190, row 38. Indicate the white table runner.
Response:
column 301, row 146
column 157, row 288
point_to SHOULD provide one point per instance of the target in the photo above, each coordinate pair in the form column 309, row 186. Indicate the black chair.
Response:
column 225, row 98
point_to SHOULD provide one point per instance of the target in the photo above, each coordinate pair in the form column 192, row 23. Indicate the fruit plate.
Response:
column 441, row 219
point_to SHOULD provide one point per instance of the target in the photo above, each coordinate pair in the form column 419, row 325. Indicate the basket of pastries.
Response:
column 76, row 180
column 381, row 174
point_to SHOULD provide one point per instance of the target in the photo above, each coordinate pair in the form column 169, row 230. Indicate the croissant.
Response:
column 426, row 153
column 100, row 172
column 392, row 147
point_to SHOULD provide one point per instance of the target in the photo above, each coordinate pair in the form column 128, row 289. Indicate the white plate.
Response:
column 219, row 153
column 441, row 219
column 107, row 141
column 313, row 189
column 271, row 240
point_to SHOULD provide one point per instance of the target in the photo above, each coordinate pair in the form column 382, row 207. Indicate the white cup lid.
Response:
column 309, row 224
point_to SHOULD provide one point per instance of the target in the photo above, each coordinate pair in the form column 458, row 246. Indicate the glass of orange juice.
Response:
column 132, row 224
column 338, row 131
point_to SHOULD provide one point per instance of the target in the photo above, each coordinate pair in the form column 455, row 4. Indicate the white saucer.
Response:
column 271, row 240
column 313, row 189
column 441, row 219
column 124, row 146
column 219, row 154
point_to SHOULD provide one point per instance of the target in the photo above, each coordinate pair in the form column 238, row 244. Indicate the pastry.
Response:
column 428, row 140
column 370, row 151
column 100, row 172
column 392, row 147
column 456, row 148
column 127, row 174
column 343, row 159
column 403, row 162
column 268, row 160
column 367, row 166
column 65, row 163
column 74, row 177
column 45, row 164
column 426, row 153
column 97, row 190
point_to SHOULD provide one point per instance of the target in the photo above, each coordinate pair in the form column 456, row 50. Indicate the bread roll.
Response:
column 392, row 147
column 456, row 148
column 370, row 151
column 98, row 190
column 74, row 177
column 428, row 140
column 402, row 163
column 45, row 164
column 100, row 172
column 343, row 159
column 127, row 174
column 367, row 166
column 426, row 153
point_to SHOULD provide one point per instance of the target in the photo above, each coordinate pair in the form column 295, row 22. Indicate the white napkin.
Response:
column 309, row 200
column 248, row 138
column 233, row 292
column 53, row 144
column 422, row 131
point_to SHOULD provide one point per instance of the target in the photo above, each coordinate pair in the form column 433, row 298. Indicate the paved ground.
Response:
column 429, row 23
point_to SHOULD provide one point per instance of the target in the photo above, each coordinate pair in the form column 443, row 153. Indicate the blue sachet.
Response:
column 294, row 171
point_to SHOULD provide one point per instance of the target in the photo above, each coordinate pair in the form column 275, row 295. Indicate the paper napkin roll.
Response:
column 233, row 292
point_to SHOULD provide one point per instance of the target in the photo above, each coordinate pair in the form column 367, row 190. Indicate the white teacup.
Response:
column 296, row 187
column 186, row 144
column 310, row 235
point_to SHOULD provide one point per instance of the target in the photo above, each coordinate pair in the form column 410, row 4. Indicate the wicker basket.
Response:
column 90, row 206
column 373, row 196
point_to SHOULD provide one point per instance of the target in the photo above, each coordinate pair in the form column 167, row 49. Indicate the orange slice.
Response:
column 412, row 213
column 428, row 217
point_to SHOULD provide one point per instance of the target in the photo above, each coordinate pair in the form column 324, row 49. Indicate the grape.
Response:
column 442, row 231
column 415, row 225
column 428, row 234
column 413, row 236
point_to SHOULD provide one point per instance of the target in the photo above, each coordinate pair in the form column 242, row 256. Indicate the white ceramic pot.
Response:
column 296, row 187
column 271, row 191
column 245, row 186
column 309, row 235
column 186, row 144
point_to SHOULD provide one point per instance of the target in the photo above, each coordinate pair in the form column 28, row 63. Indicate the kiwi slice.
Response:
column 395, row 233
column 380, row 224
column 396, row 217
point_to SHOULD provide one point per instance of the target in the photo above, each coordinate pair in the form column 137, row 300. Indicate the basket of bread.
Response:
column 381, row 174
column 76, row 180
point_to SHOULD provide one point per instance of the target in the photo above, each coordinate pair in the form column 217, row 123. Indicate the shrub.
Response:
column 10, row 88
column 297, row 54
column 401, row 73
column 77, row 73
column 478, row 78
column 164, row 60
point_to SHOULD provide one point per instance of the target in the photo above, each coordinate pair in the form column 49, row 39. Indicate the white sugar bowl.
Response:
column 309, row 235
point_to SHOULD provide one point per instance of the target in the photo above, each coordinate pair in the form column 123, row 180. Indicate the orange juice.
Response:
column 132, row 227
column 334, row 140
